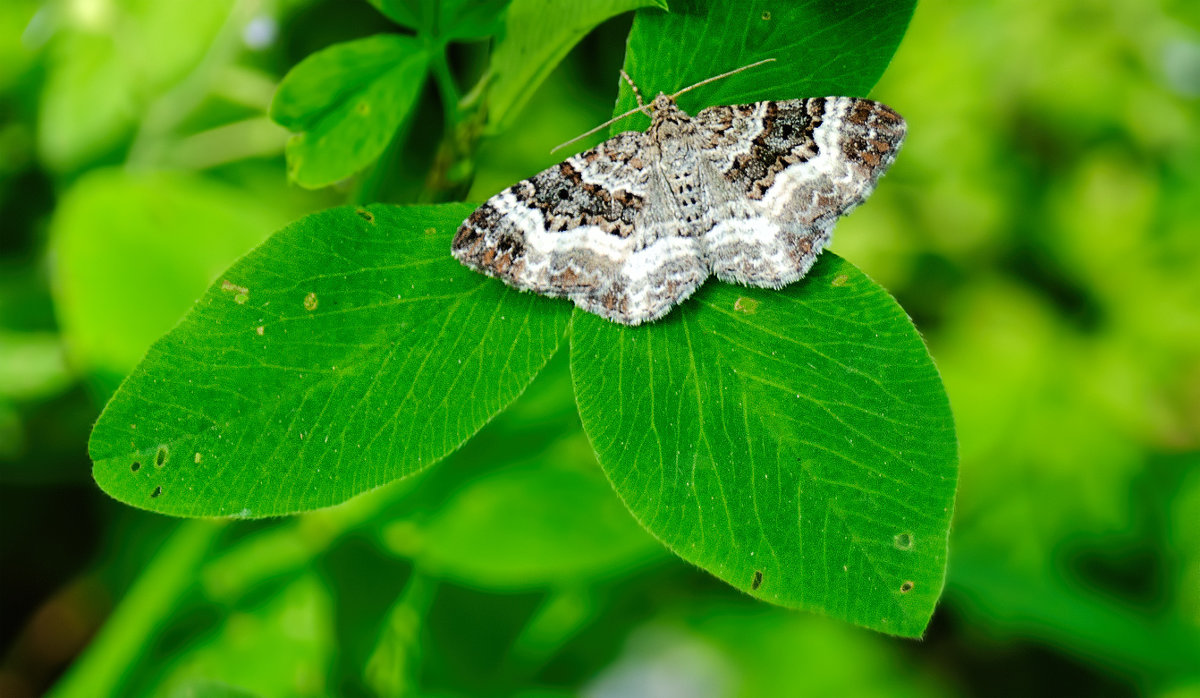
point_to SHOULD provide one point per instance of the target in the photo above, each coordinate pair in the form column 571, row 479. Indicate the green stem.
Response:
column 446, row 85
column 393, row 667
column 147, row 606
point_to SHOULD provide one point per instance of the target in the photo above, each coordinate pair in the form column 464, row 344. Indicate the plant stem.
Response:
column 109, row 660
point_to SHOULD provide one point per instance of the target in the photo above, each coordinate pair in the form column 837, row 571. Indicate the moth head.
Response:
column 662, row 101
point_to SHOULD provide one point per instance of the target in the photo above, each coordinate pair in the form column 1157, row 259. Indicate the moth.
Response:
column 632, row 227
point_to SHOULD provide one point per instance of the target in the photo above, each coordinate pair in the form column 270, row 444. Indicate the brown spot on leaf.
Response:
column 366, row 215
column 745, row 305
column 241, row 294
column 906, row 587
column 310, row 302
column 839, row 280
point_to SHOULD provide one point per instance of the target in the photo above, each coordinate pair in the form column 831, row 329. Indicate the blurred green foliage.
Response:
column 1040, row 226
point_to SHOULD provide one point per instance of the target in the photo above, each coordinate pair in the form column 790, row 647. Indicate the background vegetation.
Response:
column 1040, row 227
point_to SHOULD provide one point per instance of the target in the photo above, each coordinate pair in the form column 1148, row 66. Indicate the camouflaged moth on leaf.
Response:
column 632, row 227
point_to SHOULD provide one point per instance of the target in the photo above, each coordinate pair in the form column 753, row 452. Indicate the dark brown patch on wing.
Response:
column 483, row 243
column 875, row 133
column 786, row 139
column 568, row 202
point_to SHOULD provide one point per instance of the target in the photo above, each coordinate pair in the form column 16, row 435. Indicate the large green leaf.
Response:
column 537, row 35
column 348, row 351
column 796, row 443
column 345, row 104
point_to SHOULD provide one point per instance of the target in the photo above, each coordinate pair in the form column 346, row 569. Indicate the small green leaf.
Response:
column 820, row 48
column 345, row 104
column 796, row 443
column 446, row 20
column 537, row 35
column 348, row 351
column 542, row 522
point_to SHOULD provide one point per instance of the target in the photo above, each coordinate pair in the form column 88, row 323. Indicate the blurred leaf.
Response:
column 133, row 252
column 537, row 35
column 446, row 20
column 208, row 688
column 821, row 48
column 146, row 609
column 345, row 104
column 395, row 661
column 15, row 57
column 31, row 365
column 746, row 652
column 1075, row 620
column 796, row 443
column 544, row 521
column 99, row 67
column 85, row 77
column 348, row 351
column 283, row 647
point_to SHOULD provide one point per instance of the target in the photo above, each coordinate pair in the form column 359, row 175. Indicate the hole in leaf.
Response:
column 906, row 587
column 366, row 215
column 310, row 302
column 157, row 491
column 160, row 458
column 757, row 579
column 766, row 16
column 136, row 466
column 903, row 541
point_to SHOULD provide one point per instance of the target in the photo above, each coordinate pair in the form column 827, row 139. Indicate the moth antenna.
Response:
column 642, row 105
column 714, row 78
column 636, row 92
column 611, row 121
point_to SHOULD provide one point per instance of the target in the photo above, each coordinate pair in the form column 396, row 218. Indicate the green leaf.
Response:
column 820, row 48
column 796, row 443
column 537, row 35
column 345, row 104
column 348, row 351
column 446, row 20
column 545, row 521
